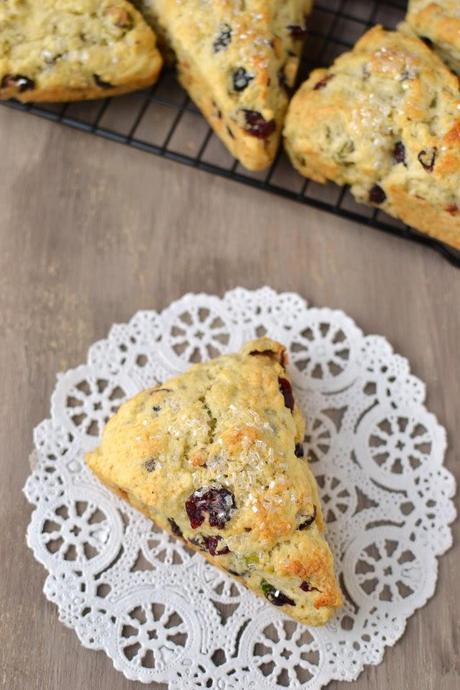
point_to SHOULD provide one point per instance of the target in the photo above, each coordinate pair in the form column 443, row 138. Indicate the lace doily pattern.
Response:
column 162, row 613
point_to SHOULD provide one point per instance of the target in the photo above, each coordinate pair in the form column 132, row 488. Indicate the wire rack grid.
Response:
column 165, row 122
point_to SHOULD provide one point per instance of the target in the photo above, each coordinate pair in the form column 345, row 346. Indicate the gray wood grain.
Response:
column 90, row 232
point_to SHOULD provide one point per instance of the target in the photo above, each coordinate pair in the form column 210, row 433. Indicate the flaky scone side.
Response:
column 215, row 456
column 238, row 61
column 384, row 119
column 438, row 23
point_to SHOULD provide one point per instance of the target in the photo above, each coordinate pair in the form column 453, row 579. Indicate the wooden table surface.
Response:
column 90, row 232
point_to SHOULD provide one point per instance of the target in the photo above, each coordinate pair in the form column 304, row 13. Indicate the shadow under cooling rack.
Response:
column 164, row 121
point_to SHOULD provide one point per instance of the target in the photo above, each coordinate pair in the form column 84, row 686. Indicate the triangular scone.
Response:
column 237, row 61
column 57, row 50
column 384, row 119
column 215, row 456
column 438, row 23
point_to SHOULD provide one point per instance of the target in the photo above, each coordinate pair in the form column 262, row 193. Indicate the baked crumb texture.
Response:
column 238, row 61
column 63, row 50
column 215, row 457
column 438, row 24
column 385, row 119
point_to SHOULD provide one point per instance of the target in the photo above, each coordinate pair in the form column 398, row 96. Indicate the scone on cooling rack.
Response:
column 55, row 50
column 438, row 23
column 384, row 119
column 238, row 62
column 215, row 456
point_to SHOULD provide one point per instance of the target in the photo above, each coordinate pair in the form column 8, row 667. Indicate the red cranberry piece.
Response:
column 298, row 450
column 257, row 125
column 175, row 529
column 322, row 83
column 286, row 391
column 452, row 209
column 219, row 503
column 241, row 79
column 101, row 83
column 399, row 152
column 297, row 32
column 427, row 159
column 150, row 464
column 223, row 39
column 18, row 81
column 308, row 520
column 377, row 195
column 307, row 587
column 275, row 596
column 210, row 544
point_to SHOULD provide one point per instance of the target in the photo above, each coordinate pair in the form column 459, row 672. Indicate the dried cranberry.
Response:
column 101, row 83
column 427, row 159
column 223, row 39
column 282, row 81
column 175, row 529
column 210, row 544
column 219, row 503
column 308, row 520
column 322, row 83
column 399, row 152
column 296, row 31
column 18, row 81
column 307, row 587
column 377, row 195
column 257, row 125
column 150, row 464
column 452, row 209
column 286, row 391
column 241, row 79
column 298, row 450
column 274, row 595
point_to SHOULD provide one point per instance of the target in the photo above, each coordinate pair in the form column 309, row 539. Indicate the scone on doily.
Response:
column 215, row 456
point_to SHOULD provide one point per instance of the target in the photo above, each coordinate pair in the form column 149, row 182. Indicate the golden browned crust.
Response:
column 51, row 52
column 237, row 61
column 385, row 119
column 225, row 436
column 439, row 22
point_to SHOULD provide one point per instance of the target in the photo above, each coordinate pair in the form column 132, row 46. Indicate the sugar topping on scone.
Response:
column 384, row 119
column 215, row 456
column 55, row 50
column 238, row 61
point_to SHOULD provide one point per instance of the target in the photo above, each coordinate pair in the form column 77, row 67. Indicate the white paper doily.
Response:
column 164, row 615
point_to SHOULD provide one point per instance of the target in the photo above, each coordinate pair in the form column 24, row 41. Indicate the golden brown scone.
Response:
column 385, row 119
column 438, row 23
column 237, row 61
column 65, row 50
column 215, row 456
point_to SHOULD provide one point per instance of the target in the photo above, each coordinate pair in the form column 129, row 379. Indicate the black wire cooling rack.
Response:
column 164, row 121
